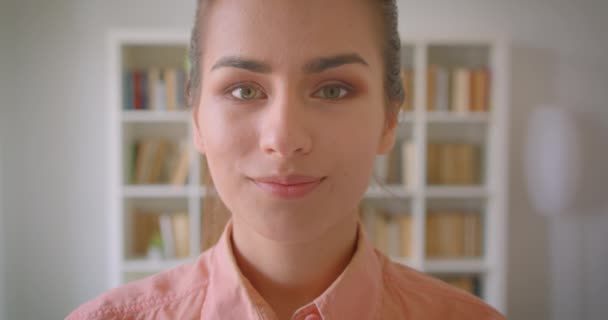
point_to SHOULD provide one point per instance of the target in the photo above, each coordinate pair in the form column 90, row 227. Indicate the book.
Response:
column 468, row 283
column 453, row 234
column 138, row 90
column 144, row 158
column 166, row 230
column 145, row 226
column 173, row 228
column 461, row 87
column 453, row 164
column 433, row 163
column 133, row 153
column 153, row 83
column 127, row 88
column 181, row 234
column 431, row 239
column 466, row 160
column 170, row 77
column 180, row 172
column 472, row 235
column 154, row 88
column 404, row 221
column 448, row 174
column 481, row 90
column 158, row 159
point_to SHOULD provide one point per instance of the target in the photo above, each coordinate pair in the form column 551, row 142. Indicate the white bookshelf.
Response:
column 145, row 48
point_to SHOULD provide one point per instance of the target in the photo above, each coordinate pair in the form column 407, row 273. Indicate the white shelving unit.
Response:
column 127, row 48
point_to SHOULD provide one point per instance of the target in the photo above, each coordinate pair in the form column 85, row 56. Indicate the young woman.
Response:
column 291, row 102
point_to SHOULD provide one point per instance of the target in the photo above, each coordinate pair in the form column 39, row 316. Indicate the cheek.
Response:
column 353, row 152
column 226, row 142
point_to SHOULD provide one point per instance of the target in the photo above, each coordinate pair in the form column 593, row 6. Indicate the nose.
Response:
column 284, row 132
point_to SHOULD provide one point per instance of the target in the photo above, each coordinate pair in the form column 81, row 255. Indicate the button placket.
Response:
column 312, row 316
column 309, row 312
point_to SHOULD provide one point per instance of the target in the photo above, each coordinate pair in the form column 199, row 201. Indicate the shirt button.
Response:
column 312, row 317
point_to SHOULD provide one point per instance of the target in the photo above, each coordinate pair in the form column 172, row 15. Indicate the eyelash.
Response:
column 349, row 91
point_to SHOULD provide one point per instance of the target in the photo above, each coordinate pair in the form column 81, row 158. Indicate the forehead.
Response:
column 287, row 33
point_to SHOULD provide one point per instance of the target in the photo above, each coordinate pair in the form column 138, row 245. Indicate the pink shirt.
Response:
column 212, row 287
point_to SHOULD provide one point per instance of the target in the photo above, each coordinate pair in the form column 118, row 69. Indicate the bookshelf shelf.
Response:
column 431, row 119
column 155, row 116
column 155, row 191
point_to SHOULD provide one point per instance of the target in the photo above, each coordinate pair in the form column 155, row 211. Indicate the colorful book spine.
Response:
column 127, row 88
column 154, row 89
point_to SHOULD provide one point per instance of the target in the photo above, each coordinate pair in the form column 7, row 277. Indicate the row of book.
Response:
column 162, row 161
column 389, row 232
column 458, row 89
column 168, row 233
column 453, row 164
column 448, row 234
column 447, row 164
column 159, row 161
column 396, row 166
column 453, row 234
column 468, row 283
column 154, row 89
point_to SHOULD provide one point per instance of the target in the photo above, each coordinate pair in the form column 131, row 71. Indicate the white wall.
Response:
column 6, row 103
column 57, row 206
column 60, row 117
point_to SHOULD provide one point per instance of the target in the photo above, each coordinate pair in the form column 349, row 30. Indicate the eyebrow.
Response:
column 316, row 65
column 242, row 63
column 321, row 64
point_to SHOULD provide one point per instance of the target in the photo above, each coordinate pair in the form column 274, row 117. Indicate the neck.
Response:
column 289, row 275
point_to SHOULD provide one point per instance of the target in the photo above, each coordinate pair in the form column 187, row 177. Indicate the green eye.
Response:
column 245, row 93
column 332, row 92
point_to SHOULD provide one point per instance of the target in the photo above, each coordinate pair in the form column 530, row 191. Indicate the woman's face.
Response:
column 291, row 88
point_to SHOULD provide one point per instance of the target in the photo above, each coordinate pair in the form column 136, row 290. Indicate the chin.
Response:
column 290, row 226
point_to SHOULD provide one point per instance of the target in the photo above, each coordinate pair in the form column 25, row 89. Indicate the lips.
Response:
column 288, row 180
column 288, row 187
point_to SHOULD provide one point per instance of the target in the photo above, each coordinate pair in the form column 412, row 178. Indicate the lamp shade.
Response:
column 552, row 159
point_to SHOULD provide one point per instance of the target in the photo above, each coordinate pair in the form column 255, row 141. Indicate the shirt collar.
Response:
column 361, row 280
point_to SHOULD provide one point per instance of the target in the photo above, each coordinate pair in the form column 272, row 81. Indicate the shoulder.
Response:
column 162, row 293
column 418, row 295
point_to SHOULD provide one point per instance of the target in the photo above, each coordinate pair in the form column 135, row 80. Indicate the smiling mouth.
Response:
column 292, row 190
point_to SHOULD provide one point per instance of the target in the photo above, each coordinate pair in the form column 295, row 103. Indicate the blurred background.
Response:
column 57, row 94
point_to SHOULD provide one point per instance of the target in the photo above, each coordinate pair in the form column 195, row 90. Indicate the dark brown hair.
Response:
column 215, row 212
